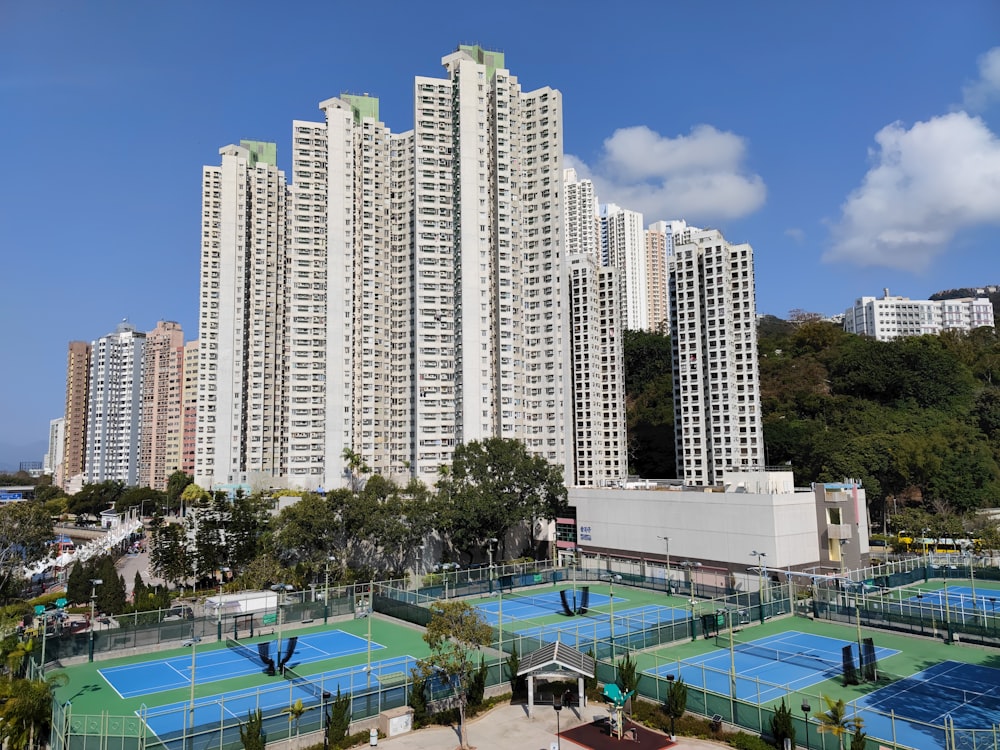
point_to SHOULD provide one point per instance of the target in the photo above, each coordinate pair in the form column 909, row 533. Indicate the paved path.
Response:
column 509, row 728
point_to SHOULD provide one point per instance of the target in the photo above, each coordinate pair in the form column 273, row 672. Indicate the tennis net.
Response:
column 803, row 657
column 542, row 601
column 310, row 686
column 248, row 652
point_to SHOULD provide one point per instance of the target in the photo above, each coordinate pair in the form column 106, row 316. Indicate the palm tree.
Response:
column 356, row 469
column 836, row 722
column 295, row 712
column 26, row 710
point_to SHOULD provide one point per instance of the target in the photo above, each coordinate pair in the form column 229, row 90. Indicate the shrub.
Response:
column 782, row 726
column 744, row 741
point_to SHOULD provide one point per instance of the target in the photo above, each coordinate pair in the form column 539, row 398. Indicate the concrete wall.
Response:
column 717, row 528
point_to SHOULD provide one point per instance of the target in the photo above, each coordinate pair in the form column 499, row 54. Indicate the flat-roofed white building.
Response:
column 888, row 317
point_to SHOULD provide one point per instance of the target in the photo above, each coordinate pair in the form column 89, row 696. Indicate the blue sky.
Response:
column 854, row 145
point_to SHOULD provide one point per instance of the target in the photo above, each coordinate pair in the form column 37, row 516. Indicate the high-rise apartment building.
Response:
column 241, row 361
column 115, row 406
column 713, row 328
column 424, row 299
column 580, row 215
column 623, row 246
column 891, row 317
column 161, row 431
column 57, row 444
column 661, row 236
column 600, row 454
column 75, row 427
column 189, row 408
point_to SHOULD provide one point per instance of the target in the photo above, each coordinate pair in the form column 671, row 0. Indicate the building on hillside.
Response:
column 887, row 317
column 713, row 327
column 723, row 535
column 162, row 387
column 661, row 237
column 75, row 416
column 623, row 246
column 114, row 412
column 425, row 296
column 57, row 443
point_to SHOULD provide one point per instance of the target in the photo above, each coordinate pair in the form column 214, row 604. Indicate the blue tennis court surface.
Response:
column 958, row 598
column 525, row 607
column 168, row 720
column 965, row 695
column 767, row 668
column 220, row 664
column 582, row 631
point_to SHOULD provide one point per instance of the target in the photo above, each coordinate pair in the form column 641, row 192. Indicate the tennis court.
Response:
column 133, row 680
column 958, row 598
column 766, row 668
column 168, row 721
column 947, row 694
column 533, row 606
column 596, row 626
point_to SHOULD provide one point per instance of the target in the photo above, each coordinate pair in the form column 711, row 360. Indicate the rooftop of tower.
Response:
column 492, row 59
column 261, row 151
column 362, row 105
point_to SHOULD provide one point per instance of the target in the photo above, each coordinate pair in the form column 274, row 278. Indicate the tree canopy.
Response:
column 494, row 485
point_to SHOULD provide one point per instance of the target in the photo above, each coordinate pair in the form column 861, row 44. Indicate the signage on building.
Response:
column 585, row 534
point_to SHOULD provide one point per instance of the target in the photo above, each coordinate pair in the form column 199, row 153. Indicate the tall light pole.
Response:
column 94, row 583
column 611, row 578
column 489, row 550
column 694, row 636
column 761, row 577
column 666, row 540
column 326, row 589
column 193, row 642
column 43, row 615
column 967, row 546
column 806, row 708
column 557, row 705
column 689, row 568
column 280, row 589
column 218, row 607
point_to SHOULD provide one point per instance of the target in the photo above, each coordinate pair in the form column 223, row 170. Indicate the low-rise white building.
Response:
column 891, row 317
column 715, row 534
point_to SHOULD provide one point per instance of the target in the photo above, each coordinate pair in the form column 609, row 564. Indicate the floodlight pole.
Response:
column 94, row 583
column 666, row 540
column 45, row 632
column 694, row 634
column 732, row 662
column 761, row 575
column 280, row 589
column 326, row 590
column 806, row 708
column 194, row 647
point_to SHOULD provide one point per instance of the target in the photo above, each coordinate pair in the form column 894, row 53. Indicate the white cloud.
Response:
column 698, row 177
column 796, row 234
column 925, row 185
column 977, row 95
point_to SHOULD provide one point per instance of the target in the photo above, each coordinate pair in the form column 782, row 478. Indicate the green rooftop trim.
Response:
column 362, row 106
column 492, row 60
column 261, row 151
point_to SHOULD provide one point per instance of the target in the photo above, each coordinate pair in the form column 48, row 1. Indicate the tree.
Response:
column 835, row 720
column 513, row 665
column 25, row 531
column 494, row 485
column 356, row 469
column 26, row 711
column 295, row 713
column 859, row 738
column 252, row 733
column 477, row 685
column 176, row 484
column 455, row 629
column 628, row 674
column 676, row 703
column 782, row 726
column 338, row 721
column 417, row 700
column 92, row 499
column 169, row 555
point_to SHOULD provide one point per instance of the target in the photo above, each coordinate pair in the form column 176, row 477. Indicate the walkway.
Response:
column 508, row 728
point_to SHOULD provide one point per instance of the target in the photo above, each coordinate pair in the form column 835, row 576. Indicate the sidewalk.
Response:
column 509, row 728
